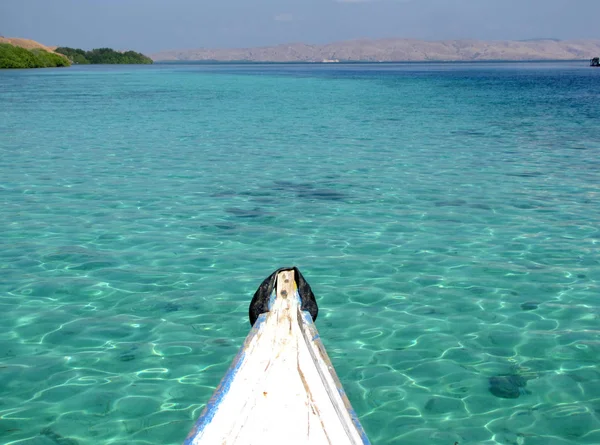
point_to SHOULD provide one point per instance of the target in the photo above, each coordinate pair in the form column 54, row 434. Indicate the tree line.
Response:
column 103, row 56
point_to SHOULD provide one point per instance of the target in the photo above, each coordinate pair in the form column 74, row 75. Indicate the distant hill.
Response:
column 398, row 50
column 24, row 53
column 26, row 43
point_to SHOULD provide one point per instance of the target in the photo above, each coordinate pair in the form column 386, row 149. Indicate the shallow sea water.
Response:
column 445, row 215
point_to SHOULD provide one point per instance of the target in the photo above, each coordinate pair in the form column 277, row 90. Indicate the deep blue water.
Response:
column 445, row 215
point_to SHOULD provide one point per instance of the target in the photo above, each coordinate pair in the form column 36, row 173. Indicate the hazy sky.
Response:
column 153, row 25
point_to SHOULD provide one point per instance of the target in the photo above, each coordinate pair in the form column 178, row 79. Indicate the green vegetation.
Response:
column 75, row 55
column 17, row 57
column 103, row 56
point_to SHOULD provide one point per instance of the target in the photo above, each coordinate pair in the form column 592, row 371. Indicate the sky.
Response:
column 154, row 25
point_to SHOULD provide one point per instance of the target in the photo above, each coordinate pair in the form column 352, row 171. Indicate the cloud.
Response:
column 284, row 17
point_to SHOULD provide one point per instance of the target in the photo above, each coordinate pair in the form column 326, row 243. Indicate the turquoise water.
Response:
column 445, row 215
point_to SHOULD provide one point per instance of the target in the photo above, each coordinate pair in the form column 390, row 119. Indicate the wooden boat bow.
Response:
column 281, row 387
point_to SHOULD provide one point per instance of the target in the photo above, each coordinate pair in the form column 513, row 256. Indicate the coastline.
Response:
column 367, row 62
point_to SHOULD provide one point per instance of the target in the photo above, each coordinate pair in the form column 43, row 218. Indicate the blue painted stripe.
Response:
column 272, row 299
column 307, row 318
column 354, row 417
column 213, row 404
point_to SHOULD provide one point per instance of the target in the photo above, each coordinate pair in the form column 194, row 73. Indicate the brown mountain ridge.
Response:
column 397, row 50
column 27, row 44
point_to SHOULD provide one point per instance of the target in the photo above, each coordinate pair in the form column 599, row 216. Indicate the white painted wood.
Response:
column 285, row 390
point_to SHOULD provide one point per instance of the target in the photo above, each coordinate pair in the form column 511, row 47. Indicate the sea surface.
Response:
column 447, row 217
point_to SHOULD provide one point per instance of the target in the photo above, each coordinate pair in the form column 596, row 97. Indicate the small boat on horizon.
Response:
column 595, row 62
column 281, row 388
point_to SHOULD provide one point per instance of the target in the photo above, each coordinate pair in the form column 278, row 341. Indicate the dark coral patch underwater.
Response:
column 507, row 386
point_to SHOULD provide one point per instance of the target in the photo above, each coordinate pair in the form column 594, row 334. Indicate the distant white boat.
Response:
column 281, row 388
column 330, row 61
